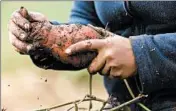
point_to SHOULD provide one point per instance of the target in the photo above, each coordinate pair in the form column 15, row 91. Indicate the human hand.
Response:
column 115, row 56
column 34, row 35
column 20, row 28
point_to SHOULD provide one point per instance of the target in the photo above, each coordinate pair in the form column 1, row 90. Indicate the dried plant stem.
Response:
column 133, row 96
column 76, row 107
column 73, row 102
column 128, row 102
column 104, row 104
column 77, row 103
column 90, row 91
column 129, row 88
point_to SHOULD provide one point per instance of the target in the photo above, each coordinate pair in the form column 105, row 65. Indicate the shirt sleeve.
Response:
column 83, row 12
column 156, row 61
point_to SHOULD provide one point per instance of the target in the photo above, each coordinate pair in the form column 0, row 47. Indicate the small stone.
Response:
column 9, row 85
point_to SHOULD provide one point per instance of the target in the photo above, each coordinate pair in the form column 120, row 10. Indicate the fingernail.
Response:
column 68, row 51
column 91, row 70
column 22, row 36
column 26, row 26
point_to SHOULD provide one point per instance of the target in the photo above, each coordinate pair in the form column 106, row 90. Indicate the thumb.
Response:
column 101, row 31
column 24, row 13
column 32, row 16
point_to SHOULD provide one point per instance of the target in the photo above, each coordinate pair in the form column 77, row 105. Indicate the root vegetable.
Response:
column 50, row 41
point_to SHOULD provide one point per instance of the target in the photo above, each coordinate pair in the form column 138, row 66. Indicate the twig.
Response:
column 133, row 96
column 72, row 102
column 104, row 104
column 76, row 107
column 80, row 108
column 144, row 107
column 90, row 91
column 128, row 102
column 129, row 88
column 77, row 103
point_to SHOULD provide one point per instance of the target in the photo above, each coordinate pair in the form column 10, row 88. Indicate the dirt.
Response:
column 28, row 91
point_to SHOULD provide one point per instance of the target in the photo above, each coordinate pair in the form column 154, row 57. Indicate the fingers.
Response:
column 17, row 31
column 23, row 18
column 106, row 69
column 19, row 20
column 97, row 64
column 19, row 45
column 98, row 29
column 94, row 44
column 116, row 72
column 101, row 31
column 38, row 17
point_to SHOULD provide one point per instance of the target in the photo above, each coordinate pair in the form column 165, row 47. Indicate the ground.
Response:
column 27, row 90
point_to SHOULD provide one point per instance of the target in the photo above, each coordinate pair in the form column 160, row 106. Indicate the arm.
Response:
column 156, row 60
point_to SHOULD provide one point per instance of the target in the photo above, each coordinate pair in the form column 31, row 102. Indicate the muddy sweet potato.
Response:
column 50, row 41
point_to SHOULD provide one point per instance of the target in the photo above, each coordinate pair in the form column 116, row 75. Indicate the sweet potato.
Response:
column 54, row 39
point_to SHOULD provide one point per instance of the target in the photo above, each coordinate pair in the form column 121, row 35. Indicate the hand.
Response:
column 115, row 56
column 31, row 33
column 20, row 27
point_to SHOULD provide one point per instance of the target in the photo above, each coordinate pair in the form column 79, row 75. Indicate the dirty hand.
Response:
column 115, row 56
column 31, row 33
column 19, row 28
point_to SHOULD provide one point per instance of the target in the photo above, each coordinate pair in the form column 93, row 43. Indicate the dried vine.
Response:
column 89, row 98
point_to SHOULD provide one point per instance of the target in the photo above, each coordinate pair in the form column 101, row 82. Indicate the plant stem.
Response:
column 90, row 91
column 72, row 102
column 133, row 96
column 77, row 103
column 128, row 102
column 104, row 104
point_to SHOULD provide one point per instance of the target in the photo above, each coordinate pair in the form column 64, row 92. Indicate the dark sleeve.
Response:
column 156, row 60
column 83, row 12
